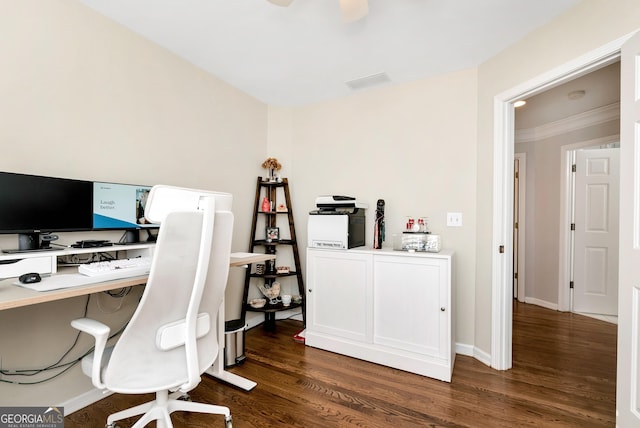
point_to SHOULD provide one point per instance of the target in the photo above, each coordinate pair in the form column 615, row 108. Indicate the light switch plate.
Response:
column 454, row 219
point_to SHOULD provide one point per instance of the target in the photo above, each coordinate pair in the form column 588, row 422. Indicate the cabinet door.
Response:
column 411, row 304
column 339, row 294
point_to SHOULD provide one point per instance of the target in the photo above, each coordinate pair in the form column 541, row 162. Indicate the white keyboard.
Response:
column 116, row 269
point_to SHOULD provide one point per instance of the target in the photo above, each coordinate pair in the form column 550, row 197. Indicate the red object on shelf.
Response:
column 266, row 205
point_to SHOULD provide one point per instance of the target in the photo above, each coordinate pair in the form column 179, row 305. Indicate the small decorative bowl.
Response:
column 257, row 303
column 296, row 299
column 282, row 269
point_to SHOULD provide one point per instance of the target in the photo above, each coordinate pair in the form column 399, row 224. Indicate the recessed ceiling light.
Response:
column 519, row 103
column 576, row 95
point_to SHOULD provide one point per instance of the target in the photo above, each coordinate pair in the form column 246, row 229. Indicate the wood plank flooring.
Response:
column 563, row 375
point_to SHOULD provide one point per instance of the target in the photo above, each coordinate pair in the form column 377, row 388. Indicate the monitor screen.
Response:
column 31, row 203
column 119, row 206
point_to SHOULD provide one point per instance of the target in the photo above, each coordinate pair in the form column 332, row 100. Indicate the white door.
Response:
column 628, row 379
column 597, row 195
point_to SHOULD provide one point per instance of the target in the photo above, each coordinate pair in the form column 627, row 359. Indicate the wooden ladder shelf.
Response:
column 283, row 240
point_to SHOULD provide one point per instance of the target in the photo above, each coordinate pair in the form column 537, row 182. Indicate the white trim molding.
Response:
column 576, row 122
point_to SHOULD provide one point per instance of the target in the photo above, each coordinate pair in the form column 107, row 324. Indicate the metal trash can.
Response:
column 234, row 343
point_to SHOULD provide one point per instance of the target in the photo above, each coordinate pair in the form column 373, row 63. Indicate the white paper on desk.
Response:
column 59, row 281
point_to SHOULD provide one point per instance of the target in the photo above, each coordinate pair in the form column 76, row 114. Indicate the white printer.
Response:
column 338, row 222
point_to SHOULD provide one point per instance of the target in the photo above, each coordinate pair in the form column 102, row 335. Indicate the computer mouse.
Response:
column 30, row 278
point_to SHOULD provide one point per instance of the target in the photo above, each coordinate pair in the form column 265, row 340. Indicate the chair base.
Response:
column 161, row 408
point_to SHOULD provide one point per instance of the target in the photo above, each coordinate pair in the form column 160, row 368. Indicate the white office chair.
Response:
column 172, row 337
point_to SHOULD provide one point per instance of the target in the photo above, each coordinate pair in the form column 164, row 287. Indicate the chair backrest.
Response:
column 172, row 336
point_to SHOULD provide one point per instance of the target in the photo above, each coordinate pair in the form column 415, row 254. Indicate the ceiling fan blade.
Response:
column 283, row 3
column 352, row 10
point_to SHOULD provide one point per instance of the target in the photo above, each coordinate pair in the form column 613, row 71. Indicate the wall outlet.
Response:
column 454, row 219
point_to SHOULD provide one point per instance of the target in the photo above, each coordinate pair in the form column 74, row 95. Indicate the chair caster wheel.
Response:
column 228, row 423
column 184, row 397
column 113, row 425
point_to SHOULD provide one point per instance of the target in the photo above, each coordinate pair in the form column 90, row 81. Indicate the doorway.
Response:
column 503, row 156
column 578, row 114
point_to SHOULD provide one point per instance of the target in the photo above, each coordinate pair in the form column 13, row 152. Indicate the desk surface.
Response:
column 241, row 259
column 13, row 296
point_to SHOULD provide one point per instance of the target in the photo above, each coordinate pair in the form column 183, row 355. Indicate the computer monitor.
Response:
column 120, row 206
column 32, row 205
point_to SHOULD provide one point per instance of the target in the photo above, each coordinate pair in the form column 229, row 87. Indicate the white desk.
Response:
column 13, row 296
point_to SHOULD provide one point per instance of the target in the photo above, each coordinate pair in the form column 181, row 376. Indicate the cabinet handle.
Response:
column 310, row 290
column 442, row 309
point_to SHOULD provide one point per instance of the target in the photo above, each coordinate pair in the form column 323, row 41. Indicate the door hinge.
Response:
column 515, row 275
column 517, row 174
column 515, row 225
column 573, row 168
column 501, row 249
column 573, row 226
column 570, row 284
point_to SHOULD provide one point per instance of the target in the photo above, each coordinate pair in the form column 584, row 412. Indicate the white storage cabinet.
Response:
column 388, row 307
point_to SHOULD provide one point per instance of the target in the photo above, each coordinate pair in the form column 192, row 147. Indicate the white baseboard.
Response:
column 608, row 318
column 78, row 402
column 544, row 304
column 464, row 349
column 482, row 356
column 472, row 351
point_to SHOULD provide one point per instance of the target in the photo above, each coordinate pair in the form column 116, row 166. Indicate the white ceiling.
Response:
column 601, row 88
column 305, row 53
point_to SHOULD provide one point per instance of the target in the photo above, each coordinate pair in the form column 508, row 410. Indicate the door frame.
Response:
column 565, row 301
column 522, row 224
column 503, row 121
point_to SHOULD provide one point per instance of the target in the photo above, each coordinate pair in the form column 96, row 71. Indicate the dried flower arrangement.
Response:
column 272, row 165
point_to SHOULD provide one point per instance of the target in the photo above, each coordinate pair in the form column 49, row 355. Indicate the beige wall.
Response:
column 584, row 28
column 412, row 145
column 82, row 97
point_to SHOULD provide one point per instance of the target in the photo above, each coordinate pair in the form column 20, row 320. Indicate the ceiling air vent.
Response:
column 368, row 81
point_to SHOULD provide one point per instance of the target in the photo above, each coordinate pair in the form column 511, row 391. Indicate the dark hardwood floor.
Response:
column 563, row 375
